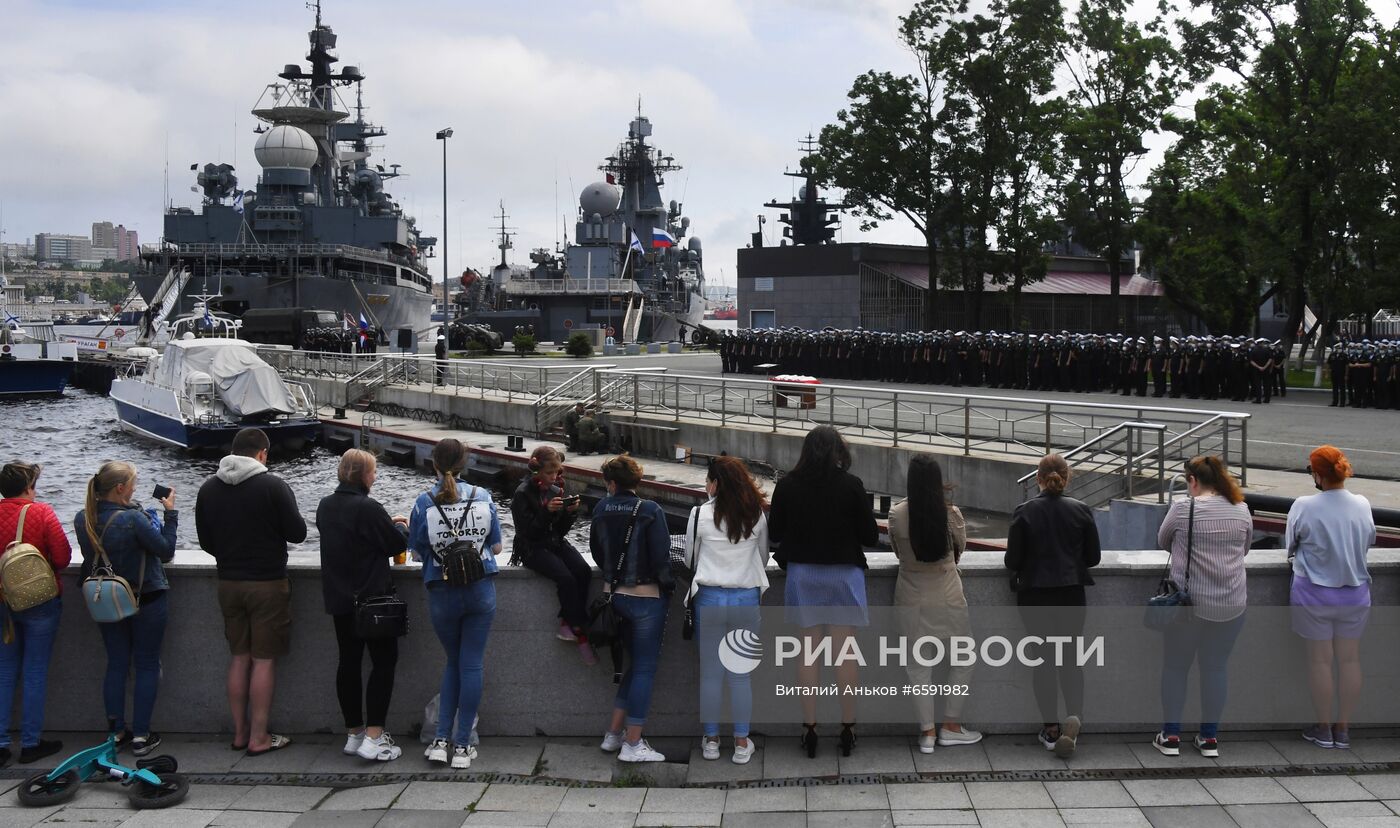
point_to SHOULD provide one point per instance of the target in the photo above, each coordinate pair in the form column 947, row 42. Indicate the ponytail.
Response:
column 1210, row 471
column 1053, row 474
column 449, row 456
column 113, row 473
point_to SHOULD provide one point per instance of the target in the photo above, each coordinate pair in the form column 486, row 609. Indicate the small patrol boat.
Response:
column 33, row 363
column 198, row 393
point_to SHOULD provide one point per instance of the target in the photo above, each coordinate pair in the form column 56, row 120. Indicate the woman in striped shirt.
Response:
column 1208, row 536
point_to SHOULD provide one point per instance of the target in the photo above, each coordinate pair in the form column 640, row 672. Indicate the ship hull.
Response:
column 154, row 413
column 555, row 317
column 23, row 378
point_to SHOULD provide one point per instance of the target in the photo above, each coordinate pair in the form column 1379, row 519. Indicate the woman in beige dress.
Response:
column 929, row 535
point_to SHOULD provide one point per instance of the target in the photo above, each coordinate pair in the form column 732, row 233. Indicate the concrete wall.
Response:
column 534, row 684
column 804, row 301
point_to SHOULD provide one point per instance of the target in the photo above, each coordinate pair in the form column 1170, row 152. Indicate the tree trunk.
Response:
column 931, row 296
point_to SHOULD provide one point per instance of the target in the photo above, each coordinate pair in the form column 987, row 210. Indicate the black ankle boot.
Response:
column 809, row 740
column 848, row 738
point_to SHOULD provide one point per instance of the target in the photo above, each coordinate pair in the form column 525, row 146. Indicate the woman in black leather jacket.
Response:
column 1052, row 545
column 542, row 520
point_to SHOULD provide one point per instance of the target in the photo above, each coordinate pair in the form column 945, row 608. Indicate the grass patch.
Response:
column 1304, row 378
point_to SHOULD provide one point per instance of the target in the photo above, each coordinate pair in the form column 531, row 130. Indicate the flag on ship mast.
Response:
column 636, row 242
column 661, row 238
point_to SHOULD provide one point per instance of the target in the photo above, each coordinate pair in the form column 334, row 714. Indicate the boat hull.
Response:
column 154, row 413
column 22, row 378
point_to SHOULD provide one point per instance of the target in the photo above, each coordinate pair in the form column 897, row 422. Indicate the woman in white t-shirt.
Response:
column 727, row 546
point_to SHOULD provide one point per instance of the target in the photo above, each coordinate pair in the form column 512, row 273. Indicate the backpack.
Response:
column 26, row 577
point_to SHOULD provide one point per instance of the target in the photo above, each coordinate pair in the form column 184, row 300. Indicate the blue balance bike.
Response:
column 153, row 782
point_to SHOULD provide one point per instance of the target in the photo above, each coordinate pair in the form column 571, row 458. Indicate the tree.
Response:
column 1124, row 79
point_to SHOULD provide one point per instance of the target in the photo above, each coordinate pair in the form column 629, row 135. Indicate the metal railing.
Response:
column 960, row 422
column 534, row 287
column 1119, row 466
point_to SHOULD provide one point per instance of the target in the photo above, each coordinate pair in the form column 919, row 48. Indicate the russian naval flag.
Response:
column 660, row 238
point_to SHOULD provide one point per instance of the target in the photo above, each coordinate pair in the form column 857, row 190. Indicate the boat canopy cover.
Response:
column 247, row 385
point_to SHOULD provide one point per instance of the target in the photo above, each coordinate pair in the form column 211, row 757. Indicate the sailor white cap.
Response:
column 440, row 336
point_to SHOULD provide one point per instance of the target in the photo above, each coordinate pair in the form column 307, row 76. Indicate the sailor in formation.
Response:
column 1236, row 368
column 1365, row 373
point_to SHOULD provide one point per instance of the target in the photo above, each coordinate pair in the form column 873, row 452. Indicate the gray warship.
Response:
column 632, row 268
column 319, row 231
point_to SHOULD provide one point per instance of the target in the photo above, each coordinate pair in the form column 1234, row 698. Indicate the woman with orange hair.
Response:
column 1327, row 537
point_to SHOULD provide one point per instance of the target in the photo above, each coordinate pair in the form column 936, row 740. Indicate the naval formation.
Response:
column 1363, row 373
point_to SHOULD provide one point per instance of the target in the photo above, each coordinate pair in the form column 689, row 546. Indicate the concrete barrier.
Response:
column 534, row 684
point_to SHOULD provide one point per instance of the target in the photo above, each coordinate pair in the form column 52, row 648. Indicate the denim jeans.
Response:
column 462, row 620
column 718, row 611
column 134, row 643
column 27, row 657
column 1208, row 643
column 646, row 625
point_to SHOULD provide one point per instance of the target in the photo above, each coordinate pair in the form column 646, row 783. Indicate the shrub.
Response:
column 524, row 343
column 579, row 345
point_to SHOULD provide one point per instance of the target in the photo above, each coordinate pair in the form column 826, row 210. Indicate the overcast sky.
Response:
column 98, row 93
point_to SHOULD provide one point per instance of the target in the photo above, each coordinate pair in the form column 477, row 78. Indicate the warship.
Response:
column 633, row 269
column 318, row 232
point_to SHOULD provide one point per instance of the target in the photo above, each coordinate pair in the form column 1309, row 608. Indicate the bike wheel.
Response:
column 39, row 790
column 171, row 791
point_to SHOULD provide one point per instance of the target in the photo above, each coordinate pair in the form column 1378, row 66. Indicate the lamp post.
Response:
column 443, row 135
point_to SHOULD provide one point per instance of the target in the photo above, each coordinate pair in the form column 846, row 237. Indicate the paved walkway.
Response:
column 1263, row 779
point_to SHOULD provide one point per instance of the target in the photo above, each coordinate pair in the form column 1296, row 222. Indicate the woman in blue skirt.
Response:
column 822, row 519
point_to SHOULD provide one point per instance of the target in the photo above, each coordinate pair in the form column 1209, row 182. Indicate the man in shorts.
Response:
column 245, row 517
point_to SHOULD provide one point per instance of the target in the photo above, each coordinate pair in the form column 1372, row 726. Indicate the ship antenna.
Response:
column 315, row 4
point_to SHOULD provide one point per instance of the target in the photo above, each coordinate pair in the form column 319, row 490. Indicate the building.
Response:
column 114, row 242
column 128, row 245
column 17, row 250
column 104, row 234
column 882, row 287
column 58, row 247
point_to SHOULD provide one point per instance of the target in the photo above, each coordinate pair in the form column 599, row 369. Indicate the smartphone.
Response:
column 161, row 492
column 572, row 499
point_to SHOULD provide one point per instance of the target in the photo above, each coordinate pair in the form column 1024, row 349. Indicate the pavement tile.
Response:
column 928, row 796
column 849, row 819
column 204, row 757
column 878, row 755
column 294, row 798
column 1325, row 788
column 1383, row 785
column 1021, row 753
column 1098, row 754
column 1248, row 754
column 661, row 819
column 603, row 800
column 507, row 819
column 768, row 820
column 406, row 818
column 683, row 801
column 1341, row 811
column 253, row 819
column 1295, row 751
column 563, row 820
column 713, row 772
column 294, row 758
column 171, row 818
column 1117, row 817
column 92, row 817
column 1148, row 756
column 784, row 759
column 439, row 796
column 1199, row 816
column 1376, row 750
column 991, row 795
column 215, row 797
column 934, row 817
column 517, row 756
column 585, row 763
column 1393, row 804
column 1249, row 790
column 1089, row 795
column 530, row 798
column 1272, row 816
column 338, row 819
column 756, row 800
column 846, row 798
column 367, row 798
column 102, row 794
column 1171, row 792
column 947, row 759
column 24, row 817
column 1019, row 819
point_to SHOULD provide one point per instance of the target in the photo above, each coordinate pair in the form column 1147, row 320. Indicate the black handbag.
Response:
column 688, row 628
column 604, row 624
column 1170, row 606
column 460, row 560
column 381, row 617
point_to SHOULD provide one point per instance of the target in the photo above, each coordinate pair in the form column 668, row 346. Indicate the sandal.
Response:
column 278, row 742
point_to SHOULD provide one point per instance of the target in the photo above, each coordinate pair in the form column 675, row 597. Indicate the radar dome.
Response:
column 600, row 197
column 286, row 147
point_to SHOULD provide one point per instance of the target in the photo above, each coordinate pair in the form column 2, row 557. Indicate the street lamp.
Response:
column 443, row 135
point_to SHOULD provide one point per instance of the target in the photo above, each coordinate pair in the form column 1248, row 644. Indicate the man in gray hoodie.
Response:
column 245, row 517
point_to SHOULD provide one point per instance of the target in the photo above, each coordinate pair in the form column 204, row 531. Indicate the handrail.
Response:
column 1102, row 437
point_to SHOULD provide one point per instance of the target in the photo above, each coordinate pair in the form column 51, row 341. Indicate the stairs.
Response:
column 632, row 321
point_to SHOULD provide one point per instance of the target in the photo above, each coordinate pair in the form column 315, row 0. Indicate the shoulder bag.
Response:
column 1169, row 606
column 381, row 617
column 108, row 596
column 604, row 624
column 460, row 560
column 688, row 628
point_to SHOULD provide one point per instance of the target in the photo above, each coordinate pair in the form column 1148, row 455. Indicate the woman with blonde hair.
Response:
column 1208, row 536
column 928, row 534
column 357, row 540
column 726, row 545
column 1051, row 546
column 112, row 531
column 1327, row 536
column 543, row 517
column 443, row 518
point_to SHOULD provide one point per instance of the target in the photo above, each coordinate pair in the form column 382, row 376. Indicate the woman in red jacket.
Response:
column 26, row 652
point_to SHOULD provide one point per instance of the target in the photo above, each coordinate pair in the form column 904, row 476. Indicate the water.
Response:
column 74, row 435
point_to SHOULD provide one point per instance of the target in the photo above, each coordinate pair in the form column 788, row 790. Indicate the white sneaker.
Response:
column 612, row 742
column 462, row 756
column 966, row 736
column 640, row 752
column 382, row 749
column 1045, row 741
column 1069, row 738
column 927, row 743
column 353, row 742
column 437, row 752
column 709, row 748
column 743, row 753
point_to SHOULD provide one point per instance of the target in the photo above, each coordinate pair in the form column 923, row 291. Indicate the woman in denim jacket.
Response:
column 137, row 551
